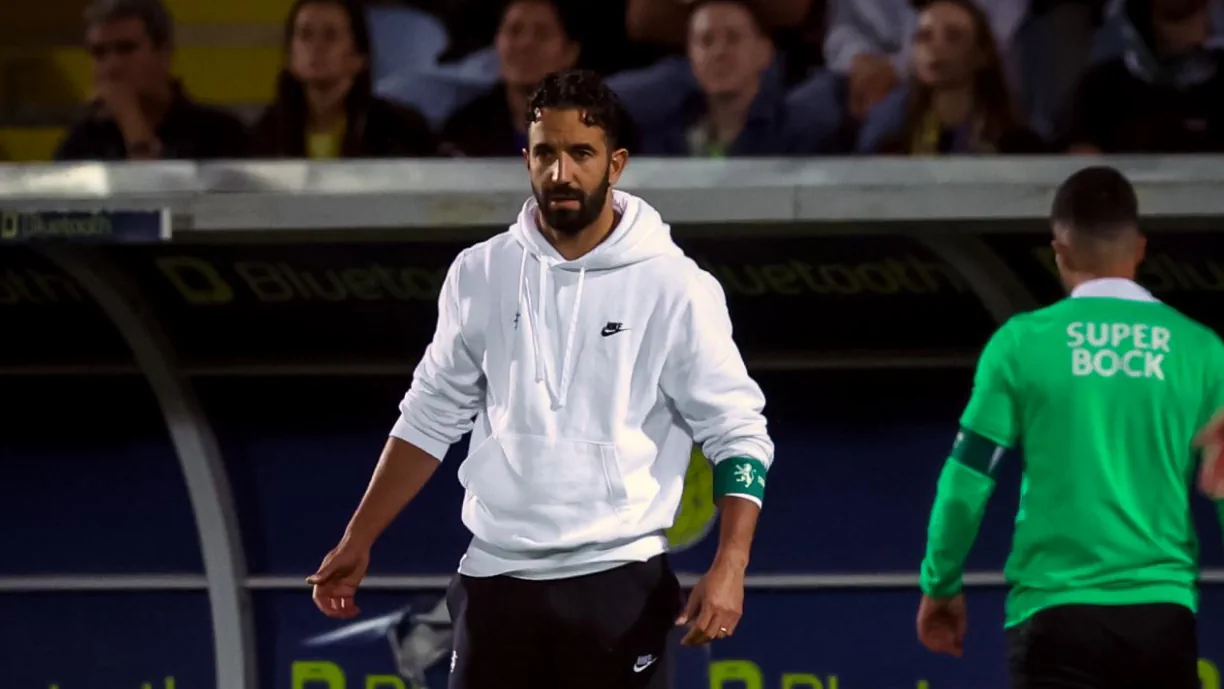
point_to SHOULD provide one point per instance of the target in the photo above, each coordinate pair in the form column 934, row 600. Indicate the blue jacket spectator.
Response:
column 729, row 97
column 533, row 40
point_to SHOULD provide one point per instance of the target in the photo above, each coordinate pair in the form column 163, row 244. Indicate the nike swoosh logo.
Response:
column 606, row 332
column 640, row 666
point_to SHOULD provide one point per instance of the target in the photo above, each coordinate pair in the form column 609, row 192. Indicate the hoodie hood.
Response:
column 640, row 235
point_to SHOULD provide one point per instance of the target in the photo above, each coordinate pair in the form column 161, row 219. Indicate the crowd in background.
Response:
column 703, row 78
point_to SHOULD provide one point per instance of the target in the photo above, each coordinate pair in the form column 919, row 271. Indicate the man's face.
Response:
column 532, row 44
column 123, row 54
column 945, row 45
column 571, row 169
column 727, row 50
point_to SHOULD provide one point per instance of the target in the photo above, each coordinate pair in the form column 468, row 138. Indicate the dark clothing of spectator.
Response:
column 959, row 141
column 1119, row 109
column 374, row 128
column 598, row 26
column 1097, row 7
column 884, row 132
column 802, row 47
column 189, row 131
column 484, row 128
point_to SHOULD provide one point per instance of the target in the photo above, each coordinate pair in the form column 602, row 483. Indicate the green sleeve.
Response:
column 993, row 410
column 989, row 427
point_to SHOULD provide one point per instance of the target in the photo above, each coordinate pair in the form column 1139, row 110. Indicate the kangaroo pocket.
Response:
column 534, row 491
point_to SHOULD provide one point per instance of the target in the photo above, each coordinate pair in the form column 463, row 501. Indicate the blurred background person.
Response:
column 600, row 27
column 796, row 26
column 139, row 110
column 729, row 98
column 1164, row 93
column 1053, row 49
column 957, row 99
column 324, row 105
column 533, row 41
column 869, row 42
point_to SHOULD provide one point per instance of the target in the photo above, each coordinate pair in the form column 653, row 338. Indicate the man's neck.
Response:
column 1178, row 37
column 1074, row 280
column 727, row 113
column 325, row 106
column 574, row 246
column 952, row 106
column 516, row 101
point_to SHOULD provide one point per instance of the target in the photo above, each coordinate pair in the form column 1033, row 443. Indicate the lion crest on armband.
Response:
column 745, row 475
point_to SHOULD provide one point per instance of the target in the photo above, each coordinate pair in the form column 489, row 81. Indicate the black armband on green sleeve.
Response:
column 977, row 452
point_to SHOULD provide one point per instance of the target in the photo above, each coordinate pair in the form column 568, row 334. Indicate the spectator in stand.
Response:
column 533, row 41
column 1052, row 51
column 869, row 42
column 795, row 25
column 139, row 110
column 957, row 99
column 1110, row 40
column 325, row 107
column 740, row 106
column 598, row 25
column 1165, row 94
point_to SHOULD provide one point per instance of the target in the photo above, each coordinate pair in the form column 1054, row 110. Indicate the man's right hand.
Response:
column 336, row 582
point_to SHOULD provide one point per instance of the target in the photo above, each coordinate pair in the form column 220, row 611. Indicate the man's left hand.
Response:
column 942, row 623
column 715, row 605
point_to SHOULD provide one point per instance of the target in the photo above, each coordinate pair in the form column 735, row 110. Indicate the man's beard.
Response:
column 572, row 221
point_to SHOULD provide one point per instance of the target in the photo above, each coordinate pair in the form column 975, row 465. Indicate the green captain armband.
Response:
column 740, row 476
column 978, row 452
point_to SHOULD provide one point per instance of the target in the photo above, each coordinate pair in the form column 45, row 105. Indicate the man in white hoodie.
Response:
column 586, row 353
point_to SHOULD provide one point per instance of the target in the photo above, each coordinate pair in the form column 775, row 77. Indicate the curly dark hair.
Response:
column 585, row 91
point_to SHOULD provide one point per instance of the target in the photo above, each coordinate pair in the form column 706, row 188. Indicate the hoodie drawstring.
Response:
column 566, row 369
column 561, row 393
column 541, row 368
column 518, row 302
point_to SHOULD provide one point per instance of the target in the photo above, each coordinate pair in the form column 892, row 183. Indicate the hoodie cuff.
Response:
column 408, row 433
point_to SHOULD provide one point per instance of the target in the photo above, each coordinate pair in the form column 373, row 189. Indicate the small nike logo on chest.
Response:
column 612, row 328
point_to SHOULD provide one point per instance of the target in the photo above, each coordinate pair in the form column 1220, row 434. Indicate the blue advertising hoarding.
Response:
column 858, row 457
column 85, row 227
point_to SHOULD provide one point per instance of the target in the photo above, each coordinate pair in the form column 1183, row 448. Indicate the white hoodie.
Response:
column 589, row 380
